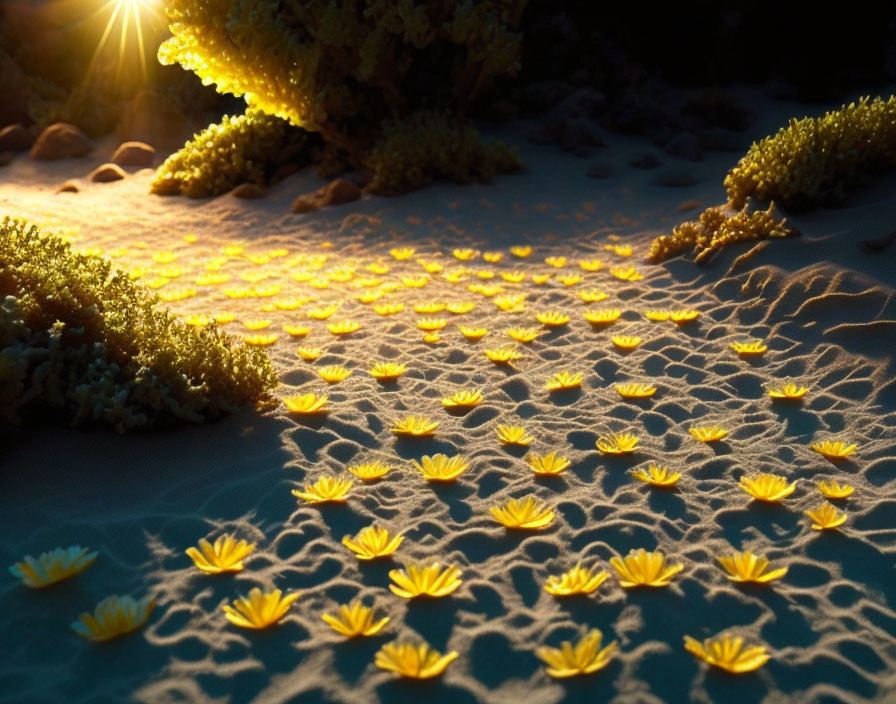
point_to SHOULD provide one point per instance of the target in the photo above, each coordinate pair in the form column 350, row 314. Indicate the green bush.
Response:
column 76, row 335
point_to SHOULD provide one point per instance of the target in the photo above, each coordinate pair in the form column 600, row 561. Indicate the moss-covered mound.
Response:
column 78, row 336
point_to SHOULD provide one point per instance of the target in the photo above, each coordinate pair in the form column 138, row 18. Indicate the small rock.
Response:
column 5, row 158
column 600, row 169
column 248, row 191
column 68, row 187
column 676, row 177
column 61, row 141
column 134, row 154
column 15, row 138
column 334, row 193
column 107, row 173
column 684, row 145
column 644, row 161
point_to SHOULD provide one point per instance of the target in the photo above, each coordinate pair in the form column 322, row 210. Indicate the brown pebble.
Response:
column 107, row 173
column 334, row 193
column 248, row 191
column 61, row 141
column 68, row 187
column 134, row 154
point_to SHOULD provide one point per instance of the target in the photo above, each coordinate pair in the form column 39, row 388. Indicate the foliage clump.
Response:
column 78, row 336
column 242, row 149
column 813, row 160
column 354, row 72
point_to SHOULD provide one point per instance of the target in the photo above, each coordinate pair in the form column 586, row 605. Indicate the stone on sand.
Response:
column 107, row 173
column 334, row 193
column 248, row 191
column 134, row 154
column 68, row 187
column 15, row 138
column 61, row 141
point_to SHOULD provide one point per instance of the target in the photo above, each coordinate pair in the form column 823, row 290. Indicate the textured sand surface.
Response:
column 826, row 310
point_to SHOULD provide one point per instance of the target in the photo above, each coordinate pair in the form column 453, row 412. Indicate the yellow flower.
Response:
column 414, row 281
column 463, row 399
column 372, row 542
column 503, row 355
column 429, row 307
column 626, row 273
column 388, row 308
column 633, row 390
column 590, row 264
column 223, row 317
column 749, row 349
column 485, row 274
column 826, row 516
column 547, row 465
column 513, row 277
column 727, row 653
column 432, row 338
column 622, row 444
column 592, row 295
column 513, row 435
column 556, row 262
column 514, row 304
column 552, row 319
column 464, row 254
column 323, row 313
column 414, row 425
column 51, row 567
column 296, row 330
column 260, row 340
column 290, row 303
column 441, row 468
column 522, row 334
column 835, row 490
column 708, row 433
column 644, row 569
column 343, row 327
column 834, row 450
column 306, row 404
column 259, row 610
column 401, row 253
column 604, row 316
column 683, row 316
column 626, row 342
column 325, row 489
column 622, row 250
column 528, row 513
column 658, row 476
column 492, row 257
column 355, row 619
column 579, row 580
column 256, row 324
column 333, row 373
column 767, row 487
column 387, row 371
column 113, row 616
column 309, row 353
column 378, row 268
column 582, row 659
column 569, row 279
column 419, row 661
column 473, row 333
column 424, row 580
column 660, row 314
column 370, row 471
column 787, row 391
column 197, row 319
column 563, row 380
column 430, row 324
column 521, row 251
column 226, row 555
column 460, row 307
column 369, row 296
column 747, row 567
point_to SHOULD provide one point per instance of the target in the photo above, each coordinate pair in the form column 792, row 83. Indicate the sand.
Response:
column 826, row 310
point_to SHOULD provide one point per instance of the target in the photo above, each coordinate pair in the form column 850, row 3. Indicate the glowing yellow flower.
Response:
column 197, row 319
column 590, row 264
column 683, row 316
column 658, row 476
column 460, row 307
column 622, row 444
column 622, row 250
column 826, row 516
column 583, row 658
column 260, row 340
column 370, row 470
column 414, row 281
column 521, row 251
column 372, row 542
column 414, row 425
column 378, row 268
column 388, row 308
column 369, row 296
column 259, row 610
column 441, row 468
column 633, row 390
column 290, row 303
column 455, row 276
column 644, row 569
column 747, row 567
column 626, row 273
column 787, row 391
column 334, row 373
column 834, row 490
column 578, row 580
column 513, row 277
column 658, row 314
column 514, row 303
column 256, row 324
column 113, row 616
column 163, row 257
column 767, row 487
column 485, row 274
column 51, row 567
column 211, row 278
column 569, row 279
column 430, row 324
column 296, row 330
column 547, row 465
column 522, row 334
column 419, row 661
column 309, row 353
column 528, row 513
column 424, row 580
column 592, row 295
column 325, row 489
column 473, row 333
column 223, row 317
column 727, row 653
column 324, row 312
column 626, row 342
column 563, row 380
column 749, row 349
column 492, row 257
column 463, row 399
column 465, row 254
column 355, row 619
column 432, row 338
column 429, row 307
column 513, row 435
column 834, row 450
column 401, row 253
column 708, row 433
column 306, row 404
column 226, row 555
column 503, row 355
column 604, row 316
column 343, row 327
column 552, row 319
column 387, row 371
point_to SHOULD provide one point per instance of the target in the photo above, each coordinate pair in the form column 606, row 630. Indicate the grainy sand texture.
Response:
column 825, row 310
